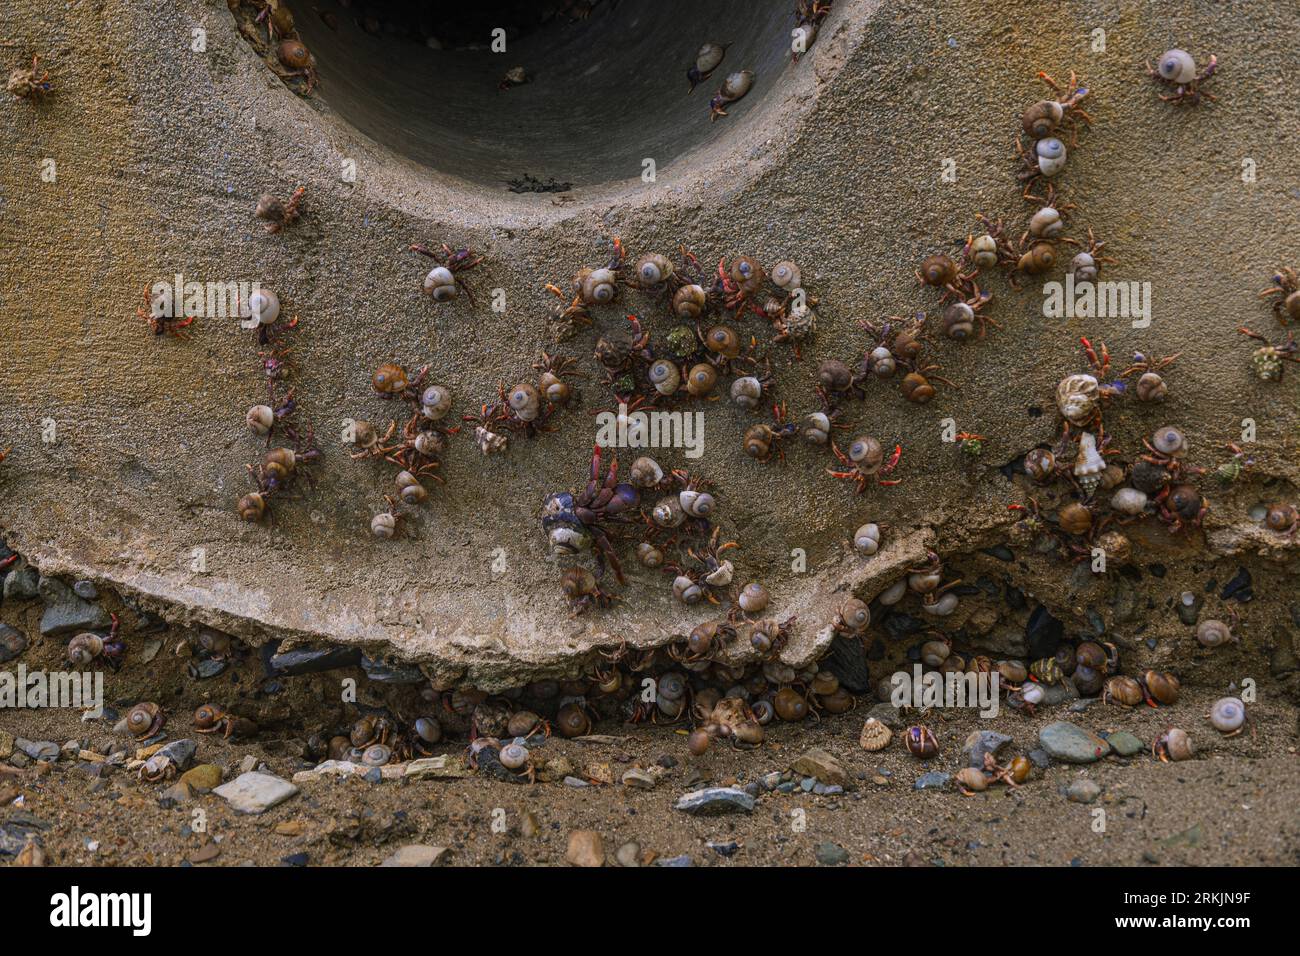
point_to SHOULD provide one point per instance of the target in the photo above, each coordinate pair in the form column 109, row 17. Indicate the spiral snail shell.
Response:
column 440, row 284
column 1281, row 517
column 1129, row 501
column 708, row 57
column 817, row 428
column 571, row 720
column 84, row 648
column 866, row 540
column 689, row 301
column 1088, row 464
column 1176, row 744
column 722, row 340
column 294, row 54
column 1051, row 155
column 747, row 273
column 736, row 85
column 1177, row 66
column 1150, row 387
column 1084, row 267
column 1169, row 440
column 260, row 419
column 263, row 306
column 934, row 653
column 881, row 361
column 409, row 488
column 747, row 391
column 645, row 472
column 834, row 376
column 984, row 251
column 686, row 590
column 1163, row 687
column 664, row 376
column 1227, row 715
column 938, row 270
column 697, row 504
column 1040, row 464
column 596, row 286
column 1213, row 633
column 875, row 735
column 144, row 720
column 652, row 269
column 252, row 506
column 525, row 401
column 279, row 463
column 701, row 380
column 786, row 275
column 513, row 756
column 1046, row 223
column 916, row 388
column 389, row 379
column 867, row 454
column 958, row 321
column 649, row 555
column 760, row 440
column 383, row 525
column 1074, row 518
column 435, row 402
column 1040, row 257
column 853, row 615
column 1041, row 119
column 753, row 598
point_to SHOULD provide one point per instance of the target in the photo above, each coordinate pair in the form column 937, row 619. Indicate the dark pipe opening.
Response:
column 604, row 92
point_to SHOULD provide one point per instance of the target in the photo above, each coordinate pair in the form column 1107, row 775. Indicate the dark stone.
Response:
column 295, row 859
column 12, row 643
column 391, row 672
column 1237, row 587
column 312, row 660
column 65, row 613
column 847, row 660
column 1157, row 570
column 1043, row 634
column 1015, row 598
column 900, row 624
column 1148, row 477
column 1001, row 552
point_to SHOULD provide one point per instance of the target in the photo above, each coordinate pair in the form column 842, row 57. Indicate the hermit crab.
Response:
column 707, row 59
column 88, row 647
column 579, row 522
column 865, row 462
column 1286, row 289
column 443, row 282
column 33, row 83
column 215, row 719
column 1268, row 359
column 1177, row 70
column 280, row 214
column 735, row 86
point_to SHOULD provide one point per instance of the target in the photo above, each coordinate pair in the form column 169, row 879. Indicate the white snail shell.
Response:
column 1089, row 461
column 1033, row 693
column 935, row 653
column 383, row 525
column 1214, row 633
column 866, row 540
column 440, row 284
column 1177, row 66
column 697, row 504
column 525, row 402
column 264, row 306
column 665, row 376
column 564, row 540
column 1046, row 223
column 513, row 756
column 1051, row 155
column 435, row 402
column 260, row 419
column 945, row 605
column 883, row 362
column 1169, row 440
column 598, row 286
column 746, row 391
column 893, row 594
column 1227, row 714
column 984, row 252
column 1084, row 267
column 721, row 576
column 1076, row 398
column 785, row 274
column 1129, row 501
column 817, row 428
column 668, row 513
column 753, row 598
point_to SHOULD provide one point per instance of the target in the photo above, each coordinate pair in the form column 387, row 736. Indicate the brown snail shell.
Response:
column 571, row 720
column 389, row 379
column 252, row 506
column 1281, row 517
column 747, row 273
column 723, row 340
column 144, row 720
column 938, row 270
column 652, row 269
column 916, row 388
column 1040, row 257
column 972, row 779
column 84, row 648
column 786, row 275
column 958, row 321
column 1124, row 690
column 1042, row 118
column 1162, row 686
column 1151, row 388
column 701, row 380
column 1074, row 518
column 689, row 301
column 294, row 54
column 1040, row 464
column 753, row 598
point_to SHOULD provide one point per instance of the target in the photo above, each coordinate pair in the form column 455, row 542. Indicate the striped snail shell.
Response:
column 409, row 488
column 817, row 428
column 1042, row 118
column 689, row 301
column 664, row 376
column 252, row 506
column 984, row 251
